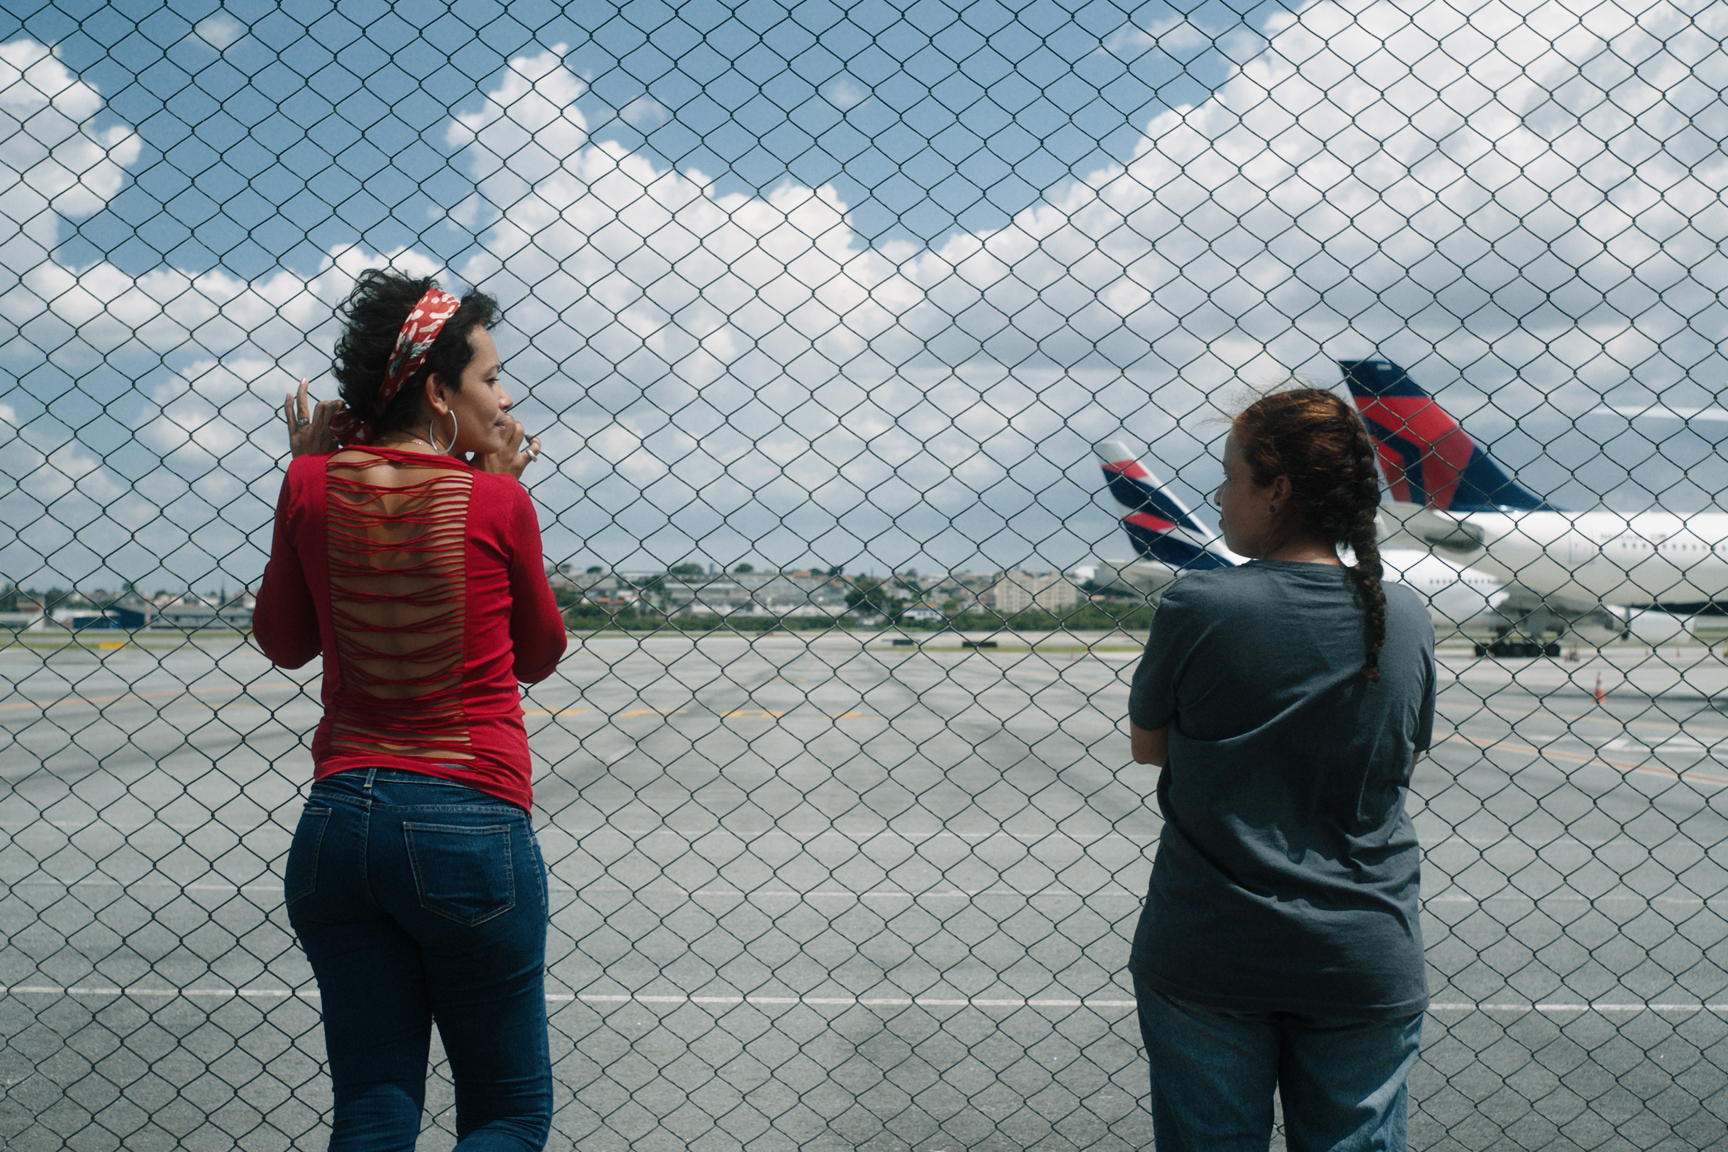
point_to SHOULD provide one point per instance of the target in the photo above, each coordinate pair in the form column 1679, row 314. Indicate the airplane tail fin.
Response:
column 1160, row 526
column 1428, row 459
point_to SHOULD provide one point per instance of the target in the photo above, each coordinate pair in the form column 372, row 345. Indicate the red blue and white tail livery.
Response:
column 1428, row 459
column 1161, row 528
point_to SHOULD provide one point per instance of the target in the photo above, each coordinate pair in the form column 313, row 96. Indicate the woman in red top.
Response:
column 410, row 560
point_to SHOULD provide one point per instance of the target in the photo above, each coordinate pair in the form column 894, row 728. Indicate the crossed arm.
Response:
column 1151, row 745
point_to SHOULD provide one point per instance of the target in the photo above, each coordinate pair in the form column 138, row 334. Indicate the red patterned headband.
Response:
column 413, row 342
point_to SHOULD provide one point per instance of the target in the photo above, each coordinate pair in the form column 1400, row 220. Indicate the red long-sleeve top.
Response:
column 419, row 579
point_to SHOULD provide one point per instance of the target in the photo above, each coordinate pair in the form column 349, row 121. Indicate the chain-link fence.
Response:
column 819, row 311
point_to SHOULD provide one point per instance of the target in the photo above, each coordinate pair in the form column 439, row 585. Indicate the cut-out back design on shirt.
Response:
column 398, row 599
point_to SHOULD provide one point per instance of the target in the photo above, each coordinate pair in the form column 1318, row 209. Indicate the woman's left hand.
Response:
column 309, row 426
column 514, row 457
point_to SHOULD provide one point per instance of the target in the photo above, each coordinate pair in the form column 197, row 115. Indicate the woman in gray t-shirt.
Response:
column 1286, row 700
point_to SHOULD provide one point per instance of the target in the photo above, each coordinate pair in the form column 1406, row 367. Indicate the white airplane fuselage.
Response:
column 1585, row 557
column 1455, row 595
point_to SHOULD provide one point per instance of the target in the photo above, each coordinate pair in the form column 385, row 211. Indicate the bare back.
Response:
column 398, row 601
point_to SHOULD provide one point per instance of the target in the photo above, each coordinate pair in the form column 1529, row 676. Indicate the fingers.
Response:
column 319, row 436
column 516, row 455
column 294, row 410
column 309, row 424
column 518, row 450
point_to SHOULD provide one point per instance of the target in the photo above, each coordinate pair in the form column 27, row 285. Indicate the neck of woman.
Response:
column 1306, row 549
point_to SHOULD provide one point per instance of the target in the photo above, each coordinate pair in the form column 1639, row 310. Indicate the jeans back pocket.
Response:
column 462, row 872
column 300, row 874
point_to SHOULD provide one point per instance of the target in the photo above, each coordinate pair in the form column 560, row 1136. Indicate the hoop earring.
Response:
column 432, row 439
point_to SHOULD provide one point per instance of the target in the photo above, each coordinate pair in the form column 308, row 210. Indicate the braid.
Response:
column 1318, row 441
column 1368, row 571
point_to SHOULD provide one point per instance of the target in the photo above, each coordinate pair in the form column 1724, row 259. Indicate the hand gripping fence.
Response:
column 822, row 313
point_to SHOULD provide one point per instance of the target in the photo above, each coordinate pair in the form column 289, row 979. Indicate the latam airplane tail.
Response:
column 1428, row 459
column 1160, row 526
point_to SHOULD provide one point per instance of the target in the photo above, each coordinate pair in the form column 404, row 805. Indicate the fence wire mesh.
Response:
column 819, row 311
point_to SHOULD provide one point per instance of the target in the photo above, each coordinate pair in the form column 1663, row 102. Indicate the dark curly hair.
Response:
column 371, row 318
column 1316, row 439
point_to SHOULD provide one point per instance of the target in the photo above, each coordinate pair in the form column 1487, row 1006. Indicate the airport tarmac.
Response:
column 823, row 891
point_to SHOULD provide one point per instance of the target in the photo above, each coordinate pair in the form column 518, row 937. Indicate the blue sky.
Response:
column 925, row 121
column 853, row 285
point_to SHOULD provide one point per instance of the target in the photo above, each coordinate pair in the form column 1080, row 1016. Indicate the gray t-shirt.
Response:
column 1287, row 871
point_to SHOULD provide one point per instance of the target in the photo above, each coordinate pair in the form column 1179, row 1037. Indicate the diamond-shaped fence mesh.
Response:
column 819, row 311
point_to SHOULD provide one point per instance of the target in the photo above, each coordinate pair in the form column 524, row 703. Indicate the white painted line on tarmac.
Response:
column 838, row 1001
column 1647, row 1006
column 1576, row 758
column 880, row 893
column 855, row 837
column 166, row 993
column 130, row 826
column 894, row 894
column 823, row 1001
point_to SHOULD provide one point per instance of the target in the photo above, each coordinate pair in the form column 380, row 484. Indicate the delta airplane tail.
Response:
column 1428, row 459
column 1161, row 528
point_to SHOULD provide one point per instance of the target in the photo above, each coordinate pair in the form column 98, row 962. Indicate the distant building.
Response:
column 22, row 621
column 754, row 593
column 1014, row 592
column 192, row 613
column 83, row 619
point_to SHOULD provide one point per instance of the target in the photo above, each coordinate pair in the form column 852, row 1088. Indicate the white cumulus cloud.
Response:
column 219, row 30
column 1521, row 195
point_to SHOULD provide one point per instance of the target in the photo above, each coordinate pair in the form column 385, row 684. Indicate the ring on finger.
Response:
column 302, row 421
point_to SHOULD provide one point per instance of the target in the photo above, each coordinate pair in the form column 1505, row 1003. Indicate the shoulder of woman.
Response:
column 1217, row 584
column 498, row 485
column 1402, row 598
column 503, row 494
column 1406, row 609
column 1198, row 593
column 302, row 469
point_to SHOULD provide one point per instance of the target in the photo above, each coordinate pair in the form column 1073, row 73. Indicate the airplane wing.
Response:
column 1147, row 578
column 1420, row 526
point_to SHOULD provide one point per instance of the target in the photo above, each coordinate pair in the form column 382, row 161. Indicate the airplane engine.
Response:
column 1648, row 626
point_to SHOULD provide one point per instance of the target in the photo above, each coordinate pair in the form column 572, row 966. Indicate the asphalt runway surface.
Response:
column 825, row 892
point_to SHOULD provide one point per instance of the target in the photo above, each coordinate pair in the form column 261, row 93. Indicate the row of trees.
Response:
column 57, row 597
column 1132, row 615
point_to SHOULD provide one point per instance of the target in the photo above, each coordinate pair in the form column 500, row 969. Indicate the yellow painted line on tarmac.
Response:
column 1581, row 758
column 735, row 714
column 1595, row 717
column 99, row 701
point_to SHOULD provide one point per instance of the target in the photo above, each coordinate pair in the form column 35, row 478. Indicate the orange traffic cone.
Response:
column 1599, row 692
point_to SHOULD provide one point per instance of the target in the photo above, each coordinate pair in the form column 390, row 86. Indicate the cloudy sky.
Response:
column 850, row 285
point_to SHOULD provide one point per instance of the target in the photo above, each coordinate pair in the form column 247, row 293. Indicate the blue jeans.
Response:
column 1343, row 1082
column 417, row 898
